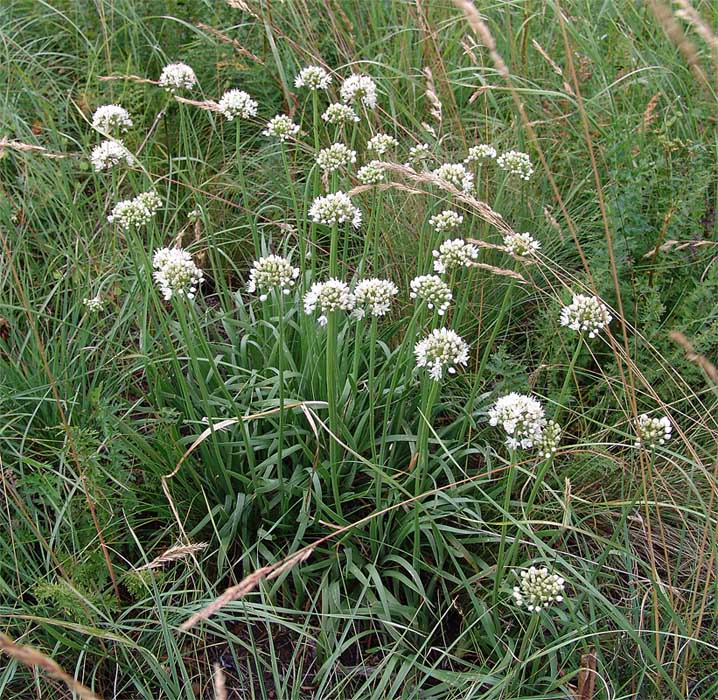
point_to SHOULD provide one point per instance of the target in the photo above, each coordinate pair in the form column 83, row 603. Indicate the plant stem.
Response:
column 500, row 563
column 332, row 403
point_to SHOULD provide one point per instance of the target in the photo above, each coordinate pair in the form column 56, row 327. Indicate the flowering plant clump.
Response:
column 446, row 220
column 521, row 244
column 177, row 76
column 482, row 151
column 586, row 314
column 336, row 156
column 453, row 254
column 135, row 212
column 374, row 296
column 418, row 155
column 521, row 417
column 381, row 143
column 538, row 589
column 281, row 127
column 271, row 272
column 359, row 88
column 455, row 174
column 652, row 432
column 334, row 209
column 237, row 104
column 441, row 350
column 111, row 119
column 176, row 273
column 372, row 173
column 340, row 114
column 550, row 438
column 433, row 290
column 110, row 153
column 313, row 78
column 332, row 295
column 94, row 304
column 516, row 163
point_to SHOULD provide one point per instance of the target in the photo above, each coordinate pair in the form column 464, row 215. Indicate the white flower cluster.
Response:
column 418, row 155
column 455, row 174
column 94, row 304
column 521, row 244
column 110, row 153
column 176, row 273
column 374, row 296
column 446, row 220
column 538, row 589
column 334, row 209
column 516, row 163
column 482, row 151
column 340, row 114
column 237, row 104
column 313, row 78
column 133, row 213
column 332, row 295
column 336, row 156
column 441, row 350
column 550, row 438
column 177, row 76
column 372, row 173
column 433, row 290
column 281, row 127
column 381, row 143
column 271, row 272
column 359, row 88
column 521, row 417
column 111, row 119
column 586, row 314
column 454, row 253
column 652, row 432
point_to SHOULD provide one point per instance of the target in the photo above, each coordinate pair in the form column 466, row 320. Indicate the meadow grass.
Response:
column 237, row 496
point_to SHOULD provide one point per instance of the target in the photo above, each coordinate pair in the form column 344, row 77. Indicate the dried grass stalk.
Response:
column 179, row 551
column 220, row 686
column 436, row 109
column 28, row 148
column 701, row 360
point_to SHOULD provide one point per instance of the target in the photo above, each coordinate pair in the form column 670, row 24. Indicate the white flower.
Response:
column 375, row 295
column 455, row 174
column 334, row 209
column 372, row 173
column 441, row 349
column 516, row 163
column 271, row 272
column 332, row 295
column 110, row 153
column 550, row 438
column 195, row 214
column 454, row 253
column 176, row 273
column 281, row 127
column 417, row 155
column 586, row 314
column 94, row 304
column 433, row 290
column 481, row 152
column 521, row 244
column 521, row 417
column 135, row 212
column 341, row 114
column 335, row 156
column 237, row 104
column 313, row 78
column 538, row 589
column 381, row 143
column 177, row 76
column 652, row 432
column 111, row 119
column 446, row 220
column 359, row 88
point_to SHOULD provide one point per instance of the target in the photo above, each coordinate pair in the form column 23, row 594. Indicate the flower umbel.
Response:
column 359, row 88
column 446, row 220
column 313, row 78
column 550, row 438
column 111, row 119
column 281, row 127
column 482, row 151
column 418, row 155
column 372, row 173
column 441, row 350
column 336, row 156
column 334, row 209
column 433, row 290
column 516, row 163
column 381, row 143
column 94, row 304
column 176, row 273
column 374, row 296
column 455, row 174
column 110, row 153
column 652, row 432
column 135, row 212
column 521, row 244
column 340, row 114
column 538, row 589
column 237, row 104
column 177, row 76
column 271, row 272
column 332, row 295
column 586, row 314
column 521, row 417
column 453, row 254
